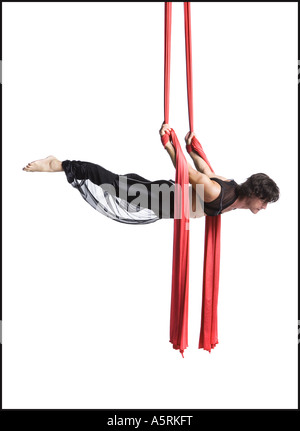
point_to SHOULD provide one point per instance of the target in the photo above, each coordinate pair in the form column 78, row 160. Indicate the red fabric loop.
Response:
column 180, row 267
column 165, row 138
column 197, row 147
column 189, row 148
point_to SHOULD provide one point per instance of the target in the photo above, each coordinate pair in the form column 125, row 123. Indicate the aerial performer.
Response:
column 196, row 192
column 115, row 196
column 221, row 195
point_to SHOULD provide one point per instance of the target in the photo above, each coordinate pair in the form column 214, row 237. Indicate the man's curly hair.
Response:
column 260, row 186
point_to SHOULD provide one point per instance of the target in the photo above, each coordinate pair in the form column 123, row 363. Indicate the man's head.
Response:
column 258, row 190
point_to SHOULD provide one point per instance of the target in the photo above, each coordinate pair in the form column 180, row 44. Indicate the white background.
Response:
column 87, row 299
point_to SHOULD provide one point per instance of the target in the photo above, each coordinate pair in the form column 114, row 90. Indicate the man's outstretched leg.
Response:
column 49, row 164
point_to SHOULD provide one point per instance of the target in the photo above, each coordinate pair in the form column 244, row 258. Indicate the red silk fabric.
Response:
column 180, row 268
column 211, row 266
column 211, row 269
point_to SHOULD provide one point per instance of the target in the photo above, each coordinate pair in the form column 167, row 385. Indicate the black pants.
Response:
column 114, row 195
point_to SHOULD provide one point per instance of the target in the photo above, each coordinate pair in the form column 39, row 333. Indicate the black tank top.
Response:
column 227, row 196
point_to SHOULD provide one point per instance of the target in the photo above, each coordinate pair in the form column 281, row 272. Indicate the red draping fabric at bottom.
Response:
column 180, row 266
column 209, row 317
column 211, row 272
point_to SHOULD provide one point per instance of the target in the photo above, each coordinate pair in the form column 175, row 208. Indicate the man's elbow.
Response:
column 208, row 172
column 200, row 178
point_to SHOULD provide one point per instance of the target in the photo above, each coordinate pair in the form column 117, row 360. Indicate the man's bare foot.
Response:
column 49, row 164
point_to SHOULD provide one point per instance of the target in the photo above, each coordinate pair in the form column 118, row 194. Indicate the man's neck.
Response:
column 241, row 203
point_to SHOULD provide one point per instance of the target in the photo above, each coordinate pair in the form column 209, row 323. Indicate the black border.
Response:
column 144, row 414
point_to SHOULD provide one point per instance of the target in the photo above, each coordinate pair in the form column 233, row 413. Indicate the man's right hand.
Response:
column 188, row 137
column 164, row 128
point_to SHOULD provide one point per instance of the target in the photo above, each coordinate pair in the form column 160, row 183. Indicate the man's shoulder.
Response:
column 219, row 177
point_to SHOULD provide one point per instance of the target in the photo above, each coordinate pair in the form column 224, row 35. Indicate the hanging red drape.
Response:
column 180, row 269
column 211, row 267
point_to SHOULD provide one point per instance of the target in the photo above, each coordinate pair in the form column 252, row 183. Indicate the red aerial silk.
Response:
column 180, row 275
column 180, row 271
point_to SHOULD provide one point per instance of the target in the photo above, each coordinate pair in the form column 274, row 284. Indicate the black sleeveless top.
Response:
column 227, row 196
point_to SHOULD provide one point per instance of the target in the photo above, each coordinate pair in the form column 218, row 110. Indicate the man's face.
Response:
column 256, row 204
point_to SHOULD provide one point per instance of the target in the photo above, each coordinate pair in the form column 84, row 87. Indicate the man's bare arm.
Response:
column 199, row 163
column 211, row 188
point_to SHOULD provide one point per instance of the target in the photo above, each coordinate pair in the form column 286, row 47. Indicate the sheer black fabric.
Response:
column 127, row 198
column 227, row 196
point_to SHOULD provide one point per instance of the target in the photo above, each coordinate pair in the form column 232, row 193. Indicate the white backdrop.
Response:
column 87, row 299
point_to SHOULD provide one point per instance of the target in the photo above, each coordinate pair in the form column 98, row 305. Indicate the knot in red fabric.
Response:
column 165, row 138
